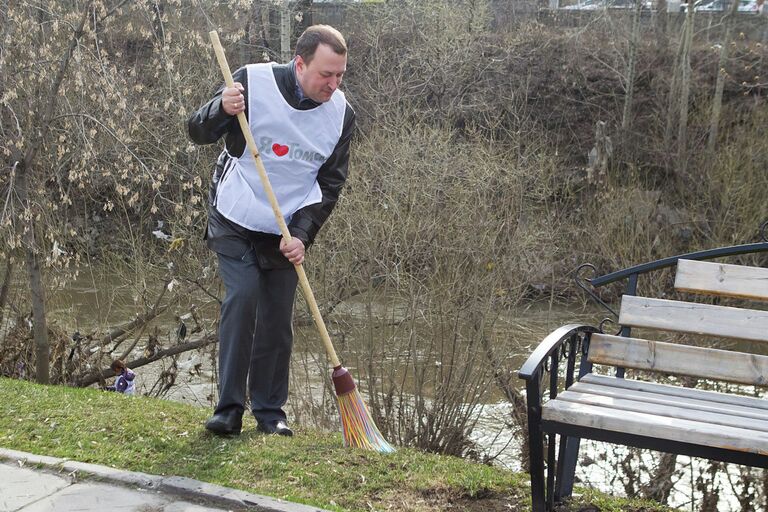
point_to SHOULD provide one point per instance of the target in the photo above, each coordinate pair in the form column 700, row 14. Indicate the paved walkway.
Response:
column 35, row 483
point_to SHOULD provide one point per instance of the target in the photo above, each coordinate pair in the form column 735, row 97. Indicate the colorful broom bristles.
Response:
column 357, row 425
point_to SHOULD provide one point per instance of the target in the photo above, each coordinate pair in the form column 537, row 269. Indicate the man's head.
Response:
column 321, row 60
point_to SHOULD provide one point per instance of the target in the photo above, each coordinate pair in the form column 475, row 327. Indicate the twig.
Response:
column 116, row 334
column 144, row 325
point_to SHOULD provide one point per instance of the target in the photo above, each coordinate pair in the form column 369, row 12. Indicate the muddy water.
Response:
column 94, row 303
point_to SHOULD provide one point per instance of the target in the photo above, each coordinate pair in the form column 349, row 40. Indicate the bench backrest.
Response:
column 721, row 279
column 688, row 317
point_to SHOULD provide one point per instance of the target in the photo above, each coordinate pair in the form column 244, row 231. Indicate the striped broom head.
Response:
column 358, row 427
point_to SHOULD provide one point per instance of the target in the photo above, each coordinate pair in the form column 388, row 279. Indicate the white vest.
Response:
column 293, row 145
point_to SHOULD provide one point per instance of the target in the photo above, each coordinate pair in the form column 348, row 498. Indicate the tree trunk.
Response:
column 674, row 90
column 717, row 101
column 662, row 19
column 158, row 10
column 707, row 485
column 685, row 91
column 35, row 276
column 259, row 32
column 746, row 492
column 5, row 287
column 285, row 32
column 4, row 26
column 765, row 26
column 6, row 124
column 302, row 11
column 764, row 485
column 634, row 42
column 660, row 484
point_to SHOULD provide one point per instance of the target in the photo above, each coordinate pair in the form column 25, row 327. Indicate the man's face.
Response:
column 322, row 76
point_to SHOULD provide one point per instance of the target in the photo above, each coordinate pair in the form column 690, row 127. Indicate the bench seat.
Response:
column 705, row 418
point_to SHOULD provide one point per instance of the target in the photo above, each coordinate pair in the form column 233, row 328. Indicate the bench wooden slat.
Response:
column 733, row 409
column 663, row 389
column 664, row 357
column 650, row 425
column 722, row 279
column 671, row 315
column 682, row 410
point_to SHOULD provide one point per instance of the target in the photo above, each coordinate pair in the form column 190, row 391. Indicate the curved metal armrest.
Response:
column 548, row 345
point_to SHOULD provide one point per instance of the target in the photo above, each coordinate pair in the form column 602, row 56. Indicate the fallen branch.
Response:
column 105, row 373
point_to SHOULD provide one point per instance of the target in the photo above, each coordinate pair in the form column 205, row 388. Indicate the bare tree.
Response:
column 52, row 145
column 685, row 92
column 285, row 31
column 634, row 42
column 38, row 128
column 674, row 90
column 662, row 19
column 717, row 100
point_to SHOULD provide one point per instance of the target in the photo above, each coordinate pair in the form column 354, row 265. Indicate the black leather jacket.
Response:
column 210, row 123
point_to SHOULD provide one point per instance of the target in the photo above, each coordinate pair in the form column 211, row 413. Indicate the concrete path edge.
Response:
column 176, row 485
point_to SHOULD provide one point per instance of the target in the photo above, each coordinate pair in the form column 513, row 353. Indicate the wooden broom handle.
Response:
column 303, row 281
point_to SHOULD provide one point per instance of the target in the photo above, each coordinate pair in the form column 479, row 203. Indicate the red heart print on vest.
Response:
column 279, row 149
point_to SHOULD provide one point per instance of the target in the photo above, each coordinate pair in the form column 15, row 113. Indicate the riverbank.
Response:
column 166, row 438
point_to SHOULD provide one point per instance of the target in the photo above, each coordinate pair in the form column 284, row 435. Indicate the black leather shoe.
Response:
column 279, row 427
column 226, row 423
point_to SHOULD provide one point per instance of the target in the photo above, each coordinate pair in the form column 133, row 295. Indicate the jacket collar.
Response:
column 289, row 86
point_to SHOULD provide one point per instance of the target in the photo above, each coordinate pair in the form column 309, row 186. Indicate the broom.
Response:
column 357, row 425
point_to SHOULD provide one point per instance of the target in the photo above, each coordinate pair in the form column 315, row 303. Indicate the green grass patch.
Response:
column 167, row 438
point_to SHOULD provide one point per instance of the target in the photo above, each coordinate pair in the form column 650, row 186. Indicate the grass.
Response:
column 167, row 438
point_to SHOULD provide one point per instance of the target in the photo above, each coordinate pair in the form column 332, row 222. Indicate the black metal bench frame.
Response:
column 552, row 477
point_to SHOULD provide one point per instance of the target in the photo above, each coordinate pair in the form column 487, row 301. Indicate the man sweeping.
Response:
column 303, row 126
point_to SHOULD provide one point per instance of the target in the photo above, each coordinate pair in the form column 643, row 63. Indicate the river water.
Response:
column 98, row 302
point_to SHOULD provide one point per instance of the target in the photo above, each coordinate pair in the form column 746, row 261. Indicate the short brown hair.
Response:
column 320, row 34
column 117, row 365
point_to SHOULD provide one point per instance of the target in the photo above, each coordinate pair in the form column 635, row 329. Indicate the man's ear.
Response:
column 300, row 64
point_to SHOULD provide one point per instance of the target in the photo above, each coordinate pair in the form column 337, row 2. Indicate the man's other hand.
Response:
column 293, row 250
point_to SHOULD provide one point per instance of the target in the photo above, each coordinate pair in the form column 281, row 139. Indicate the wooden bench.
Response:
column 565, row 398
